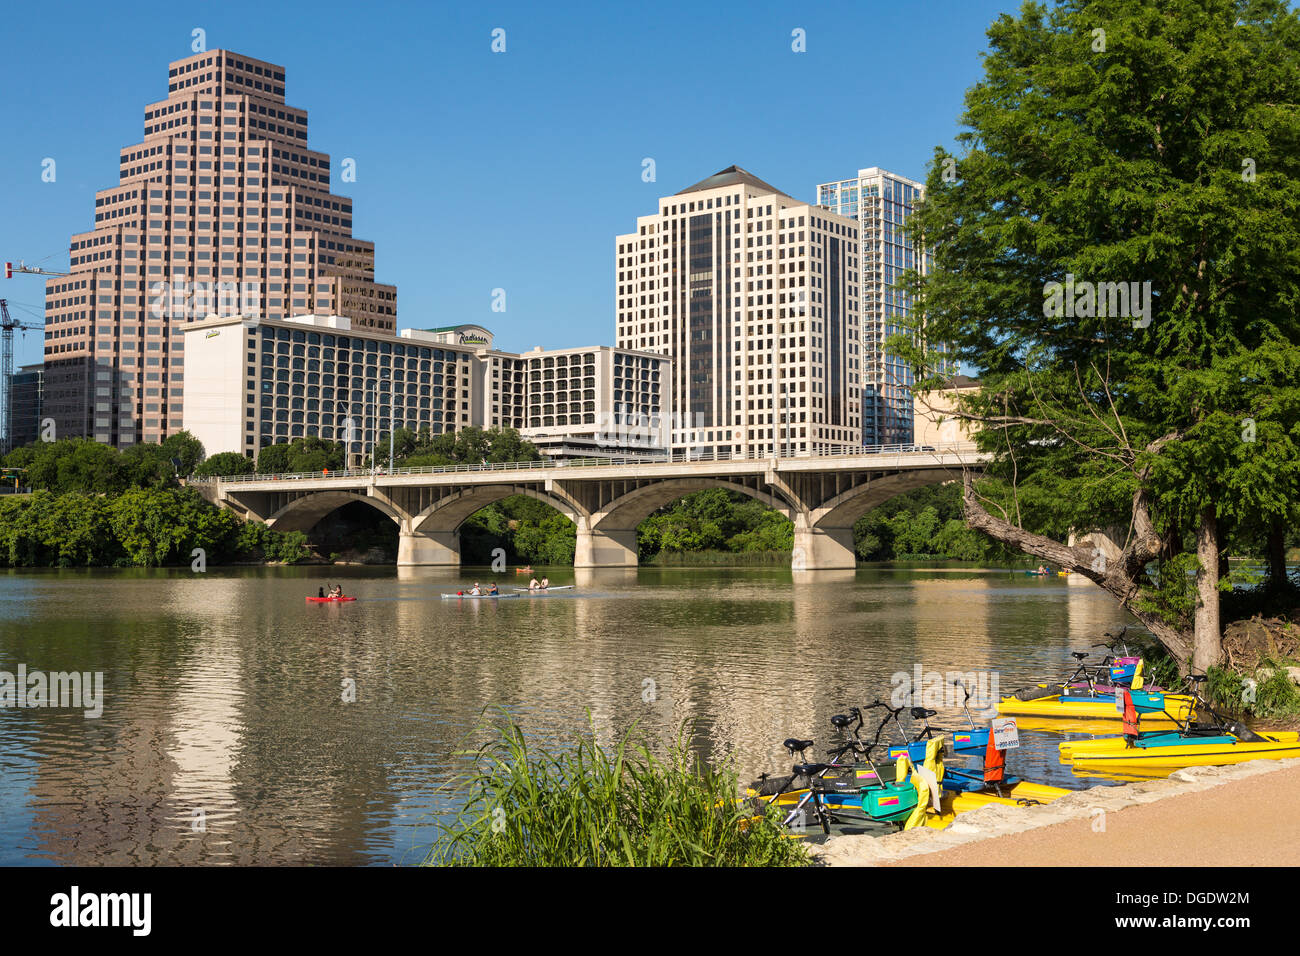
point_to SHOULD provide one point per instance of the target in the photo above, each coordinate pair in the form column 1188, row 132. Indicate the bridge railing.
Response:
column 762, row 452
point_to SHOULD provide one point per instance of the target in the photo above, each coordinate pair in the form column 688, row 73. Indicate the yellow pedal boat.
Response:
column 1167, row 751
column 1177, row 707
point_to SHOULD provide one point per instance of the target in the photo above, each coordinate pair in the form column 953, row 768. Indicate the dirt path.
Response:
column 1248, row 815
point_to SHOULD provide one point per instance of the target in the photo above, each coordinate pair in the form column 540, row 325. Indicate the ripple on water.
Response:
column 242, row 725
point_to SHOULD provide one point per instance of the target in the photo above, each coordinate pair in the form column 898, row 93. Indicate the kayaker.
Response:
column 336, row 591
column 1042, row 570
column 476, row 589
column 494, row 589
column 533, row 585
column 546, row 582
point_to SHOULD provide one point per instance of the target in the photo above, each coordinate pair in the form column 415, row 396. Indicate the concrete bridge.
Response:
column 823, row 495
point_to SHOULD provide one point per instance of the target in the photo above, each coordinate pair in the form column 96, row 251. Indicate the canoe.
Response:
column 329, row 600
column 1152, row 707
column 1173, row 751
column 475, row 597
column 553, row 587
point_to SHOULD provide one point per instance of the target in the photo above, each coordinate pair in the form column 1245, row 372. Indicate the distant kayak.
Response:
column 448, row 597
column 554, row 587
column 329, row 600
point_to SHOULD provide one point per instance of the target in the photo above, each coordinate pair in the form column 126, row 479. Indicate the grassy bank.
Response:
column 586, row 805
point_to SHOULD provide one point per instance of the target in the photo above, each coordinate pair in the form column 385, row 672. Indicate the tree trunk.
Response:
column 1121, row 578
column 1206, row 646
column 1277, row 554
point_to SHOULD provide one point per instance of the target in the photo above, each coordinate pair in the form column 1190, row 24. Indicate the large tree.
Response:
column 1154, row 143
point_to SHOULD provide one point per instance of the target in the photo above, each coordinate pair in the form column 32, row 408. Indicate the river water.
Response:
column 225, row 737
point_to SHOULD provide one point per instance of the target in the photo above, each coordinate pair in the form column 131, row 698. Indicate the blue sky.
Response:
column 478, row 170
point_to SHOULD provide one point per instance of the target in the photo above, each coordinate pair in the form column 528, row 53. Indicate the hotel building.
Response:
column 222, row 207
column 254, row 382
column 755, row 297
column 882, row 202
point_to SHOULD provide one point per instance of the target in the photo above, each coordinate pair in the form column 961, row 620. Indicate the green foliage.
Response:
column 714, row 520
column 223, row 464
column 143, row 527
column 48, row 530
column 588, row 806
column 302, row 455
column 1267, row 693
column 470, row 445
column 1129, row 164
column 925, row 523
column 185, row 449
column 90, row 467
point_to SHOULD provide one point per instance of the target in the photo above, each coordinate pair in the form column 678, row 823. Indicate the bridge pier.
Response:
column 823, row 549
column 428, row 548
column 605, row 549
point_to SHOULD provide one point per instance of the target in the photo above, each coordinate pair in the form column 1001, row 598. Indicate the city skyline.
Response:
column 449, row 264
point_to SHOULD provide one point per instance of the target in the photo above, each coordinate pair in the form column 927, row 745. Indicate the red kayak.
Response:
column 329, row 600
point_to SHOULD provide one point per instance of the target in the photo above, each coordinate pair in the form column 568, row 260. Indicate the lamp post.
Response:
column 374, row 400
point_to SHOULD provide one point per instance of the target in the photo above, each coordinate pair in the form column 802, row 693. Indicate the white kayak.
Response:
column 449, row 597
column 560, row 587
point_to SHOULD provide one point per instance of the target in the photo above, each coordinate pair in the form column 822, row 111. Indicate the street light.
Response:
column 374, row 399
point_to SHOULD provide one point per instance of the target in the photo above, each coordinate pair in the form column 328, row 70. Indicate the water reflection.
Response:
column 228, row 735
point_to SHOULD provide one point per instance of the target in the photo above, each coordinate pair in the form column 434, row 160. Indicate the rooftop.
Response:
column 733, row 176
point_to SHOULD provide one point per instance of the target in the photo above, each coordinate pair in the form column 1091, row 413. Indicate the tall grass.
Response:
column 1269, row 694
column 588, row 806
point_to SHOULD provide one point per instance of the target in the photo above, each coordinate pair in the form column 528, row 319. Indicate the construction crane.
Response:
column 23, row 267
column 7, row 327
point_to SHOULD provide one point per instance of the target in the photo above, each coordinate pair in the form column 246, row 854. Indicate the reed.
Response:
column 587, row 805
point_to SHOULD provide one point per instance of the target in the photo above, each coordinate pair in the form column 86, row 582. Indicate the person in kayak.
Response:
column 336, row 591
column 494, row 589
column 476, row 589
column 533, row 585
column 546, row 582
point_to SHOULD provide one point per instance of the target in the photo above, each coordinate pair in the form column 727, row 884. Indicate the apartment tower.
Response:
column 221, row 208
column 754, row 295
column 882, row 202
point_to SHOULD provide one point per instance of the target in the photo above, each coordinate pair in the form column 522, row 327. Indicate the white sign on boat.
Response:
column 1005, row 734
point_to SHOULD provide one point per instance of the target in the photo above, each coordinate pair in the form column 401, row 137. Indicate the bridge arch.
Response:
column 303, row 513
column 844, row 509
column 446, row 515
column 628, row 510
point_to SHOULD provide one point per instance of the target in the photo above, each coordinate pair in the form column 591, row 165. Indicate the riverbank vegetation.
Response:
column 589, row 805
column 95, row 506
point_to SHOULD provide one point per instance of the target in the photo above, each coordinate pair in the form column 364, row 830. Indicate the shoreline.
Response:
column 1234, row 815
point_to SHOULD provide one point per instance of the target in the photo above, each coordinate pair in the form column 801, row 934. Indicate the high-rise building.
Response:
column 221, row 208
column 882, row 202
column 26, row 396
column 754, row 295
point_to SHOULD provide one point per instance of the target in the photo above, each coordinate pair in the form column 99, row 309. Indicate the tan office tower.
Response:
column 755, row 296
column 221, row 209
